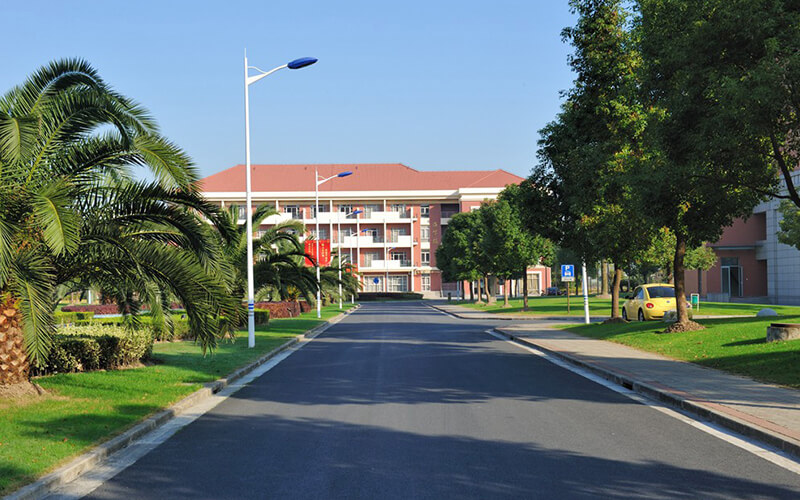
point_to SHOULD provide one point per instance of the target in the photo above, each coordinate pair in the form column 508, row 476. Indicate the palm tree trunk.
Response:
column 14, row 365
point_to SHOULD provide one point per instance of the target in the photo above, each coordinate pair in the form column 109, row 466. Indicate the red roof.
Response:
column 366, row 177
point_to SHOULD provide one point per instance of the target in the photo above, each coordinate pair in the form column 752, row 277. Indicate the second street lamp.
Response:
column 249, row 80
column 318, row 183
column 339, row 236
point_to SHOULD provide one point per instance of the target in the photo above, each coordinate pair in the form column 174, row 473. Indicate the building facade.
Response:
column 752, row 266
column 404, row 213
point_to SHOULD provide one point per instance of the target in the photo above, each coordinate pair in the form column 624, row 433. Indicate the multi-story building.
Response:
column 752, row 265
column 404, row 213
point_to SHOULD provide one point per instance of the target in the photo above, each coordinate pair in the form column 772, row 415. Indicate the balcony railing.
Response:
column 448, row 214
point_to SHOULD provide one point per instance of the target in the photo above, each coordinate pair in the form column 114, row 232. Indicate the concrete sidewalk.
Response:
column 764, row 412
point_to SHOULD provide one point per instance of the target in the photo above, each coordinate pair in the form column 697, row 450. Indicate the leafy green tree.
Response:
column 522, row 248
column 706, row 163
column 583, row 181
column 458, row 254
column 71, row 215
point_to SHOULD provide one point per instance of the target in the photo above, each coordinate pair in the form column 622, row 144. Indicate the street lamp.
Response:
column 319, row 182
column 249, row 80
column 339, row 234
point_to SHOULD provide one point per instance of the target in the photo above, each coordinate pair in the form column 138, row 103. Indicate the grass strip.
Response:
column 557, row 306
column 84, row 409
column 734, row 345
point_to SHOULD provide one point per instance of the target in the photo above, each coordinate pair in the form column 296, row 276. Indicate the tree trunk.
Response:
column 525, row 289
column 604, row 278
column 506, row 284
column 678, row 275
column 490, row 298
column 471, row 291
column 14, row 365
column 616, row 280
column 700, row 282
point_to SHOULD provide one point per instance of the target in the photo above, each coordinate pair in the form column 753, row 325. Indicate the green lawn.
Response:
column 84, row 409
column 557, row 306
column 735, row 345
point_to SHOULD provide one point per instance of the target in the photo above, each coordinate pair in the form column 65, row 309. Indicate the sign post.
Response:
column 585, row 296
column 567, row 275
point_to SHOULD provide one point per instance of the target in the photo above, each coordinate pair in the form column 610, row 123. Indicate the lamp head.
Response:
column 301, row 63
column 356, row 212
column 344, row 174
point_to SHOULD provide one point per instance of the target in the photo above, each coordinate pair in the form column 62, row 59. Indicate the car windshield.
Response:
column 661, row 292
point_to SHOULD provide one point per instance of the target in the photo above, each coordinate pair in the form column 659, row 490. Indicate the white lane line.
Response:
column 777, row 457
column 116, row 463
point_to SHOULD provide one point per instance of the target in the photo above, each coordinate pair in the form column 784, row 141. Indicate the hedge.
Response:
column 85, row 348
column 66, row 317
column 261, row 316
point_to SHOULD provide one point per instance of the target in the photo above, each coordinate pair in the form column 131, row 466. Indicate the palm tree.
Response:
column 71, row 215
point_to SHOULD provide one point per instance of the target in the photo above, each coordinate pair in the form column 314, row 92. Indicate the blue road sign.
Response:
column 376, row 280
column 567, row 272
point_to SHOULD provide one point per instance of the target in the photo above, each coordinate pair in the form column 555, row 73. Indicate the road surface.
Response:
column 401, row 401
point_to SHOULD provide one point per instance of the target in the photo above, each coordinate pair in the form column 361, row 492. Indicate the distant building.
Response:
column 405, row 212
column 752, row 265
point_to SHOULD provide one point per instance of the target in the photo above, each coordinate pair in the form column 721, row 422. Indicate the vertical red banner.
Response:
column 310, row 247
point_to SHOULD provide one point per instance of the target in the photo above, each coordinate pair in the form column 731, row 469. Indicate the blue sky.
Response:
column 432, row 84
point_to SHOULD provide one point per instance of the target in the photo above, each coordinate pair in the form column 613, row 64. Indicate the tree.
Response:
column 71, row 215
column 457, row 256
column 523, row 248
column 706, row 163
column 583, row 180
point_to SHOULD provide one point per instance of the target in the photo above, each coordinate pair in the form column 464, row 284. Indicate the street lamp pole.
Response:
column 339, row 236
column 249, row 80
column 317, row 183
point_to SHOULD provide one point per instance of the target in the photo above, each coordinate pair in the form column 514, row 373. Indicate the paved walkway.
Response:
column 766, row 412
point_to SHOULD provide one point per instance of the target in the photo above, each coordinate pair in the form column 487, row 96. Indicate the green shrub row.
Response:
column 85, row 348
column 64, row 318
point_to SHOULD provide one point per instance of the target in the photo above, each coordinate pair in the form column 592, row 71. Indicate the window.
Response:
column 345, row 209
column 398, row 283
column 661, row 292
column 399, row 208
column 323, row 234
column 368, row 209
column 731, row 276
column 425, row 211
column 398, row 256
column 426, row 258
column 294, row 210
column 242, row 212
column 425, row 233
column 345, row 233
column 426, row 282
column 373, row 283
column 321, row 208
column 369, row 257
column 374, row 233
column 395, row 233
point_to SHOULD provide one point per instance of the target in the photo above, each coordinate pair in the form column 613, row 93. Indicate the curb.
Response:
column 87, row 461
column 502, row 317
column 719, row 414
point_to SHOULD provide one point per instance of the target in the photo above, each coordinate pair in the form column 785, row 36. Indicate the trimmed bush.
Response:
column 261, row 316
column 67, row 317
column 285, row 309
column 92, row 347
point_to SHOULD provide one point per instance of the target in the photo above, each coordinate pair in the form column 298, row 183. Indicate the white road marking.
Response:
column 777, row 457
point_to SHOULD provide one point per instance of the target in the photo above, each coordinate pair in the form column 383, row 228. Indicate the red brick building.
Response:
column 404, row 214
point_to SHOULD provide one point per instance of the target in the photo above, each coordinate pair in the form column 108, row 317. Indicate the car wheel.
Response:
column 641, row 315
column 624, row 314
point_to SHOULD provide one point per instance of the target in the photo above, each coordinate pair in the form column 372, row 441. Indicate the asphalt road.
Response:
column 400, row 401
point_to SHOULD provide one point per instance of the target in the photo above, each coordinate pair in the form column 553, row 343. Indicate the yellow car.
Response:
column 650, row 302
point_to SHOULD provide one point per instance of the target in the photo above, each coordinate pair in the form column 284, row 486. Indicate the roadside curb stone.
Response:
column 87, row 461
column 751, row 426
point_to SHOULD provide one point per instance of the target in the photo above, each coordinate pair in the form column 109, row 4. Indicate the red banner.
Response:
column 324, row 252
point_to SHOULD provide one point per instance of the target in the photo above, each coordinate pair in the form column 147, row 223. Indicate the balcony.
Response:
column 447, row 214
column 388, row 265
column 380, row 216
column 400, row 240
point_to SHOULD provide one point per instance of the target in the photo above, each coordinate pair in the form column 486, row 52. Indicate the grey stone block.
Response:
column 783, row 331
column 766, row 312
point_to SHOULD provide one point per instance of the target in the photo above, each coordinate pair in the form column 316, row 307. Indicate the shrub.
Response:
column 97, row 309
column 261, row 316
column 66, row 317
column 83, row 348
